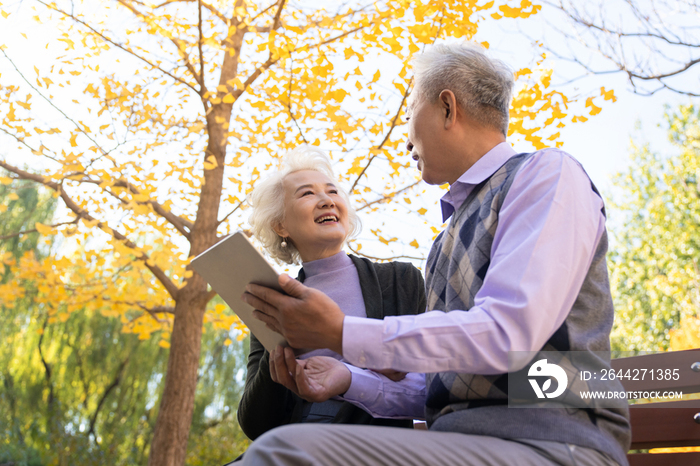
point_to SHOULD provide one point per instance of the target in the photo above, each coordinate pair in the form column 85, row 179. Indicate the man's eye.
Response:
column 334, row 191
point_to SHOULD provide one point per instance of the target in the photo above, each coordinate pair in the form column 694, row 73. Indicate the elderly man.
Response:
column 520, row 268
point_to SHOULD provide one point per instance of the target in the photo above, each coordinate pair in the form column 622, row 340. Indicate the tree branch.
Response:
column 652, row 30
column 199, row 46
column 388, row 196
column 382, row 258
column 276, row 22
column 188, row 63
column 169, row 286
column 289, row 99
column 181, row 224
column 47, row 367
column 104, row 152
column 232, row 212
column 386, row 136
column 208, row 6
column 104, row 396
column 116, row 44
column 34, row 230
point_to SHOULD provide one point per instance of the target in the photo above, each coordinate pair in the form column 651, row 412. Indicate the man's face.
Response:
column 427, row 139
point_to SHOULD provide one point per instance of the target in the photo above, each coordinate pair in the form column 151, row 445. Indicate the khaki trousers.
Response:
column 351, row 445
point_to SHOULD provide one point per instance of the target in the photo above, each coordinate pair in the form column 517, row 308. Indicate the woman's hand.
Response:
column 316, row 379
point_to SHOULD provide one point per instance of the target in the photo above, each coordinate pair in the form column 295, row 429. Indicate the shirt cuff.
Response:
column 364, row 387
column 362, row 341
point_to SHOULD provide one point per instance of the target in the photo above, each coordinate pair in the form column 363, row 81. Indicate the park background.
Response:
column 132, row 132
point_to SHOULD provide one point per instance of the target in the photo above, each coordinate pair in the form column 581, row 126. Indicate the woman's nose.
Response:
column 325, row 200
column 409, row 146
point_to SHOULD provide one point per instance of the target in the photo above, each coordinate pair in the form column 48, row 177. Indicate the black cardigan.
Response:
column 388, row 289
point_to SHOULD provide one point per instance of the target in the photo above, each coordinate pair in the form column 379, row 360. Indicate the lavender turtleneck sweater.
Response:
column 337, row 277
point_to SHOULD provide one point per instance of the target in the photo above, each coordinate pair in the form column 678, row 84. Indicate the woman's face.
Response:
column 315, row 215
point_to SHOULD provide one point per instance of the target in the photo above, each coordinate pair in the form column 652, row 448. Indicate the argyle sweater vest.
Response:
column 477, row 404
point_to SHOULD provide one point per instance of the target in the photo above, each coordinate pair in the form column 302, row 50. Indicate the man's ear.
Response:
column 448, row 102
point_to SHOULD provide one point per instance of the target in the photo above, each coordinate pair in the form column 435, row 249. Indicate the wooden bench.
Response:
column 664, row 424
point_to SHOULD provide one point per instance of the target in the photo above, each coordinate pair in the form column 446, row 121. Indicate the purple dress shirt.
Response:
column 549, row 226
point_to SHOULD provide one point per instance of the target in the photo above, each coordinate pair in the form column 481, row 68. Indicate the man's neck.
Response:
column 475, row 147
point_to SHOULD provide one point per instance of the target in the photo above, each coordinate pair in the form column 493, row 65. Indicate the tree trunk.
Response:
column 169, row 444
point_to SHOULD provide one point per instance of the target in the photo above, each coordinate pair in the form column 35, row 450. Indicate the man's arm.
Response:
column 386, row 398
column 549, row 226
column 320, row 378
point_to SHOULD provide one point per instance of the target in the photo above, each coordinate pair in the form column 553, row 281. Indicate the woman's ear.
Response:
column 448, row 102
column 281, row 230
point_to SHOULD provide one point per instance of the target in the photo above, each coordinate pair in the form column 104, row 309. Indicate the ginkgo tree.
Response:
column 151, row 121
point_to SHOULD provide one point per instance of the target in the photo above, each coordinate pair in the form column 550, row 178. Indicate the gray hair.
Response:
column 483, row 86
column 267, row 200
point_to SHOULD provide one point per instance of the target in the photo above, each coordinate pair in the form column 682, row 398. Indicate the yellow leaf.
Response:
column 43, row 229
column 161, row 343
column 376, row 76
column 414, row 243
column 3, row 208
column 72, row 140
column 5, row 15
column 227, row 342
column 422, row 210
column 228, row 99
column 13, row 196
column 609, row 95
column 5, row 180
column 210, row 163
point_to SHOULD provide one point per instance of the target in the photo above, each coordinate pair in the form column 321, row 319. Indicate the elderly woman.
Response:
column 301, row 215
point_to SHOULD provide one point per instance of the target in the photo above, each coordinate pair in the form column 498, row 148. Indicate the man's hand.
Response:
column 316, row 379
column 391, row 374
column 306, row 318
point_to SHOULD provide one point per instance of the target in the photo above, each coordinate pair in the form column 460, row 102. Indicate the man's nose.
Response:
column 409, row 146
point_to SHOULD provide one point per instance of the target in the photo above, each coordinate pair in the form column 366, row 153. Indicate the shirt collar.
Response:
column 480, row 171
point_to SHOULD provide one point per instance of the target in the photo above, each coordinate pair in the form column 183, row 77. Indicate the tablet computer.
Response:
column 228, row 267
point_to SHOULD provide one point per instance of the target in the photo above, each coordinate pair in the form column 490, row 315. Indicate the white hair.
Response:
column 483, row 86
column 267, row 200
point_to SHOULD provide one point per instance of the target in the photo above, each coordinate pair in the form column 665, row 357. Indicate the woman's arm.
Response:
column 264, row 404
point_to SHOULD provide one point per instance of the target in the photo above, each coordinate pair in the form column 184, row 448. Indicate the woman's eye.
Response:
column 334, row 191
column 307, row 192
